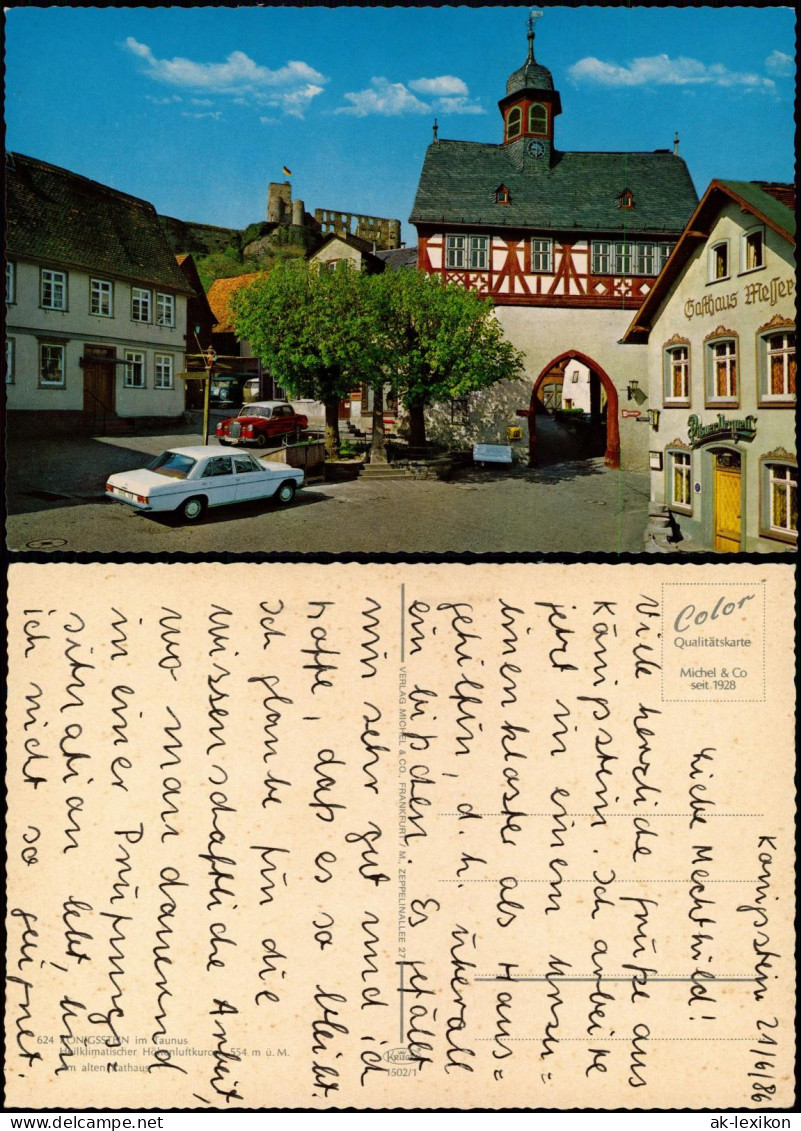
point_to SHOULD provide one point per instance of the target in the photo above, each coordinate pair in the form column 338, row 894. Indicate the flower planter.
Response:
column 340, row 469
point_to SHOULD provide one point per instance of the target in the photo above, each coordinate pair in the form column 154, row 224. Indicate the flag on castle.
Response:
column 287, row 172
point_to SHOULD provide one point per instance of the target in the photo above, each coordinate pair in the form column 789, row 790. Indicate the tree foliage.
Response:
column 322, row 333
column 313, row 330
column 438, row 341
column 257, row 248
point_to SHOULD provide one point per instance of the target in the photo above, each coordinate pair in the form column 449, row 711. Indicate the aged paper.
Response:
column 400, row 836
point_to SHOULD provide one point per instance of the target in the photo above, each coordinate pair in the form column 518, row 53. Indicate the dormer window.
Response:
column 501, row 195
column 514, row 123
column 626, row 199
column 537, row 119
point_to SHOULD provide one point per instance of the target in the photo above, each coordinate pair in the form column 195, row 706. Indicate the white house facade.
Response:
column 720, row 330
column 96, row 305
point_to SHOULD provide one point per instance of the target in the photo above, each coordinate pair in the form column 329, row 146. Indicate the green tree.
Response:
column 314, row 330
column 438, row 341
column 219, row 265
column 232, row 260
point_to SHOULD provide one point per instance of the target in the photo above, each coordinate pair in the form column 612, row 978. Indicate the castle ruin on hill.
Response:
column 282, row 210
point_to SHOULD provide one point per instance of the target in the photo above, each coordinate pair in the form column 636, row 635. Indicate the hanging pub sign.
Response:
column 721, row 429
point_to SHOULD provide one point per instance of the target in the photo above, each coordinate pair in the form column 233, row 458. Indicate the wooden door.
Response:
column 727, row 502
column 98, row 380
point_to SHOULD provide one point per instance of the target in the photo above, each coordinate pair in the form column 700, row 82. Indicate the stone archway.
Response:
column 612, row 451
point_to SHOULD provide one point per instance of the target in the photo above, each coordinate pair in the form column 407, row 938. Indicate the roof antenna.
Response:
column 436, row 130
column 675, row 145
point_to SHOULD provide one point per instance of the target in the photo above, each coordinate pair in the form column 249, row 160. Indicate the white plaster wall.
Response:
column 683, row 314
column 578, row 391
column 26, row 321
column 336, row 251
column 543, row 334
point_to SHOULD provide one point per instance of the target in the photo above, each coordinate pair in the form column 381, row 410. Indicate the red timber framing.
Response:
column 567, row 272
column 514, row 284
column 612, row 453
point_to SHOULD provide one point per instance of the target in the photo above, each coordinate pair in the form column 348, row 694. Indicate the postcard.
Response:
column 375, row 836
column 499, row 303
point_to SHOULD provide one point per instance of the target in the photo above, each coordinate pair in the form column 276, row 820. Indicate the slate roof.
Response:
column 399, row 257
column 219, row 294
column 531, row 76
column 58, row 217
column 577, row 192
column 763, row 200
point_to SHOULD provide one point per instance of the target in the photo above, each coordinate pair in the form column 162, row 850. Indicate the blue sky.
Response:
column 197, row 109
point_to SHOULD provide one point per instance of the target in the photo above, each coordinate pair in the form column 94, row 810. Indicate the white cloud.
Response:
column 391, row 99
column 383, row 97
column 214, row 114
column 137, row 48
column 169, row 101
column 456, row 106
column 294, row 102
column 291, row 87
column 661, row 70
column 779, row 64
column 443, row 84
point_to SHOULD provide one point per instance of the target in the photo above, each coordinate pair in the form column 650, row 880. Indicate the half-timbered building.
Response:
column 567, row 245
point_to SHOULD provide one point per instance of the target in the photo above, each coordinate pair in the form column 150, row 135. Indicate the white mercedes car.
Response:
column 188, row 480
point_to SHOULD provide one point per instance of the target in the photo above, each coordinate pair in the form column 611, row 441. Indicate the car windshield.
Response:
column 172, row 464
column 254, row 410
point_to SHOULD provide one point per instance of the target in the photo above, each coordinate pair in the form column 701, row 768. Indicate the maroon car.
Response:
column 261, row 423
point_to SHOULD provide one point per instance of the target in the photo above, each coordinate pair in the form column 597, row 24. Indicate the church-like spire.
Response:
column 530, row 105
column 531, row 75
column 532, row 16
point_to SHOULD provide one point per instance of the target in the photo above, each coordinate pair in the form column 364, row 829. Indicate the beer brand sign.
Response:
column 721, row 429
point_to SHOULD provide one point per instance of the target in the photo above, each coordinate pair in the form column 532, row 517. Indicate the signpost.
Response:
column 210, row 360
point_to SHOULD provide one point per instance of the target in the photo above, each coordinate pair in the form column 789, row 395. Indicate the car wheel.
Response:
column 192, row 509
column 285, row 493
column 260, row 440
column 225, row 443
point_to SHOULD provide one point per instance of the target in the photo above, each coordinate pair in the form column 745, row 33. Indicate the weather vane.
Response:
column 534, row 14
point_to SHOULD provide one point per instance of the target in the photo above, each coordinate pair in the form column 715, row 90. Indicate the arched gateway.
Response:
column 612, row 448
